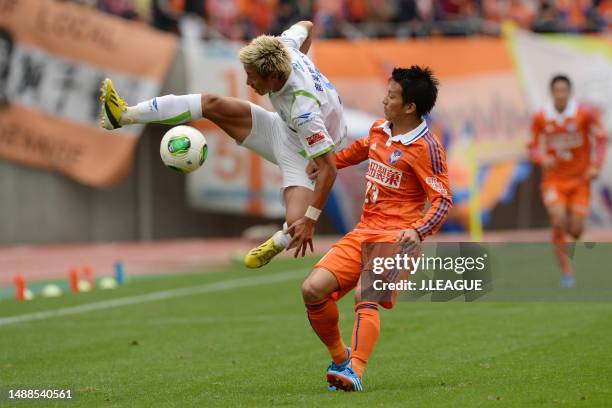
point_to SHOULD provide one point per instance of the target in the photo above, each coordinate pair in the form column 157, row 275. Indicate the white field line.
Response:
column 155, row 296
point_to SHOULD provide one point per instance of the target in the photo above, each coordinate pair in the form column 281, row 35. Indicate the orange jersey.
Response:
column 567, row 138
column 404, row 171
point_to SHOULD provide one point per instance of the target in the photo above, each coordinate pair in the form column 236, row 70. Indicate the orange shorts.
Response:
column 344, row 258
column 574, row 194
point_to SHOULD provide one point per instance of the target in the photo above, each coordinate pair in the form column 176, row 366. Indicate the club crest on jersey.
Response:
column 395, row 156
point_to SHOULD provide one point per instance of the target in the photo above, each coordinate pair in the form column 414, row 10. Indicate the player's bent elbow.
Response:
column 307, row 24
column 326, row 165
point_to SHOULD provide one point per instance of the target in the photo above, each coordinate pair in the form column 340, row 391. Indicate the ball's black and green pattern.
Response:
column 203, row 154
column 183, row 149
column 179, row 145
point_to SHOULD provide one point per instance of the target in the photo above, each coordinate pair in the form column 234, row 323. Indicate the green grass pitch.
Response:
column 252, row 346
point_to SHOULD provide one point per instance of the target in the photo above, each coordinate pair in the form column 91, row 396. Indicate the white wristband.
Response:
column 312, row 213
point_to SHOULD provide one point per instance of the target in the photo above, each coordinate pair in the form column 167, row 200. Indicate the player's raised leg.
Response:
column 296, row 200
column 230, row 114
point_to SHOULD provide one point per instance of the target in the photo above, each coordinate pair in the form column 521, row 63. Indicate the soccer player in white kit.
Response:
column 308, row 125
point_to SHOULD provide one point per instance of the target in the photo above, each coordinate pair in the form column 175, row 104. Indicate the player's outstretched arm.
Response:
column 308, row 41
column 352, row 155
column 303, row 229
column 298, row 36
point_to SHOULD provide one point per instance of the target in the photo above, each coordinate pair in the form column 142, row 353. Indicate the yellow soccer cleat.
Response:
column 112, row 106
column 262, row 255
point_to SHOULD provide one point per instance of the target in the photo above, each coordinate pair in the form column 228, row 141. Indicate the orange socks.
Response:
column 561, row 251
column 365, row 335
column 323, row 317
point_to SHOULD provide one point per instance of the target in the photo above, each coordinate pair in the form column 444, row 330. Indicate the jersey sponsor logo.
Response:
column 383, row 174
column 562, row 141
column 395, row 156
column 437, row 185
column 315, row 138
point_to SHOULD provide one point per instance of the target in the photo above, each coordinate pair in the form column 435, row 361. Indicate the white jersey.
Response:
column 308, row 103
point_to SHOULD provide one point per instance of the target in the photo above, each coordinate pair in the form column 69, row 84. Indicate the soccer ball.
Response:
column 183, row 149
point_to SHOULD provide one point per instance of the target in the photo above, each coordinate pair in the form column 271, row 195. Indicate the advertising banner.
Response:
column 53, row 56
column 489, row 88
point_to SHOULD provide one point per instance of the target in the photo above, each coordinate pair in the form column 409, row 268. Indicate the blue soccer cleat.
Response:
column 339, row 367
column 346, row 380
column 568, row 281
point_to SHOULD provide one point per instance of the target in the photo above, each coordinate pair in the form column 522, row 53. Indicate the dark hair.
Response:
column 419, row 86
column 560, row 77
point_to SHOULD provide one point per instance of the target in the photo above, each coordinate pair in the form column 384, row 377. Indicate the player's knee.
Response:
column 575, row 232
column 558, row 221
column 311, row 293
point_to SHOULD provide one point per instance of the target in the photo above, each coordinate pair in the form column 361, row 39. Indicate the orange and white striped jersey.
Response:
column 575, row 139
column 404, row 171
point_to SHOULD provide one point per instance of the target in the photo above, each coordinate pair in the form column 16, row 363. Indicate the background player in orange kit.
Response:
column 569, row 142
column 407, row 166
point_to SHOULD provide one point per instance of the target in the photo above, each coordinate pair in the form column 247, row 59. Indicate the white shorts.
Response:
column 271, row 139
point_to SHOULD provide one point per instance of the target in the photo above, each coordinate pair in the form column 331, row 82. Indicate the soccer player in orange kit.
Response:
column 569, row 142
column 407, row 166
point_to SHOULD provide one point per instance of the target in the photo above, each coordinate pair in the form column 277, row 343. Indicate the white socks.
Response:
column 281, row 240
column 168, row 109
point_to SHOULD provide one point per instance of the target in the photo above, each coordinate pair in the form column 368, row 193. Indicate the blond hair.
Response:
column 267, row 54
